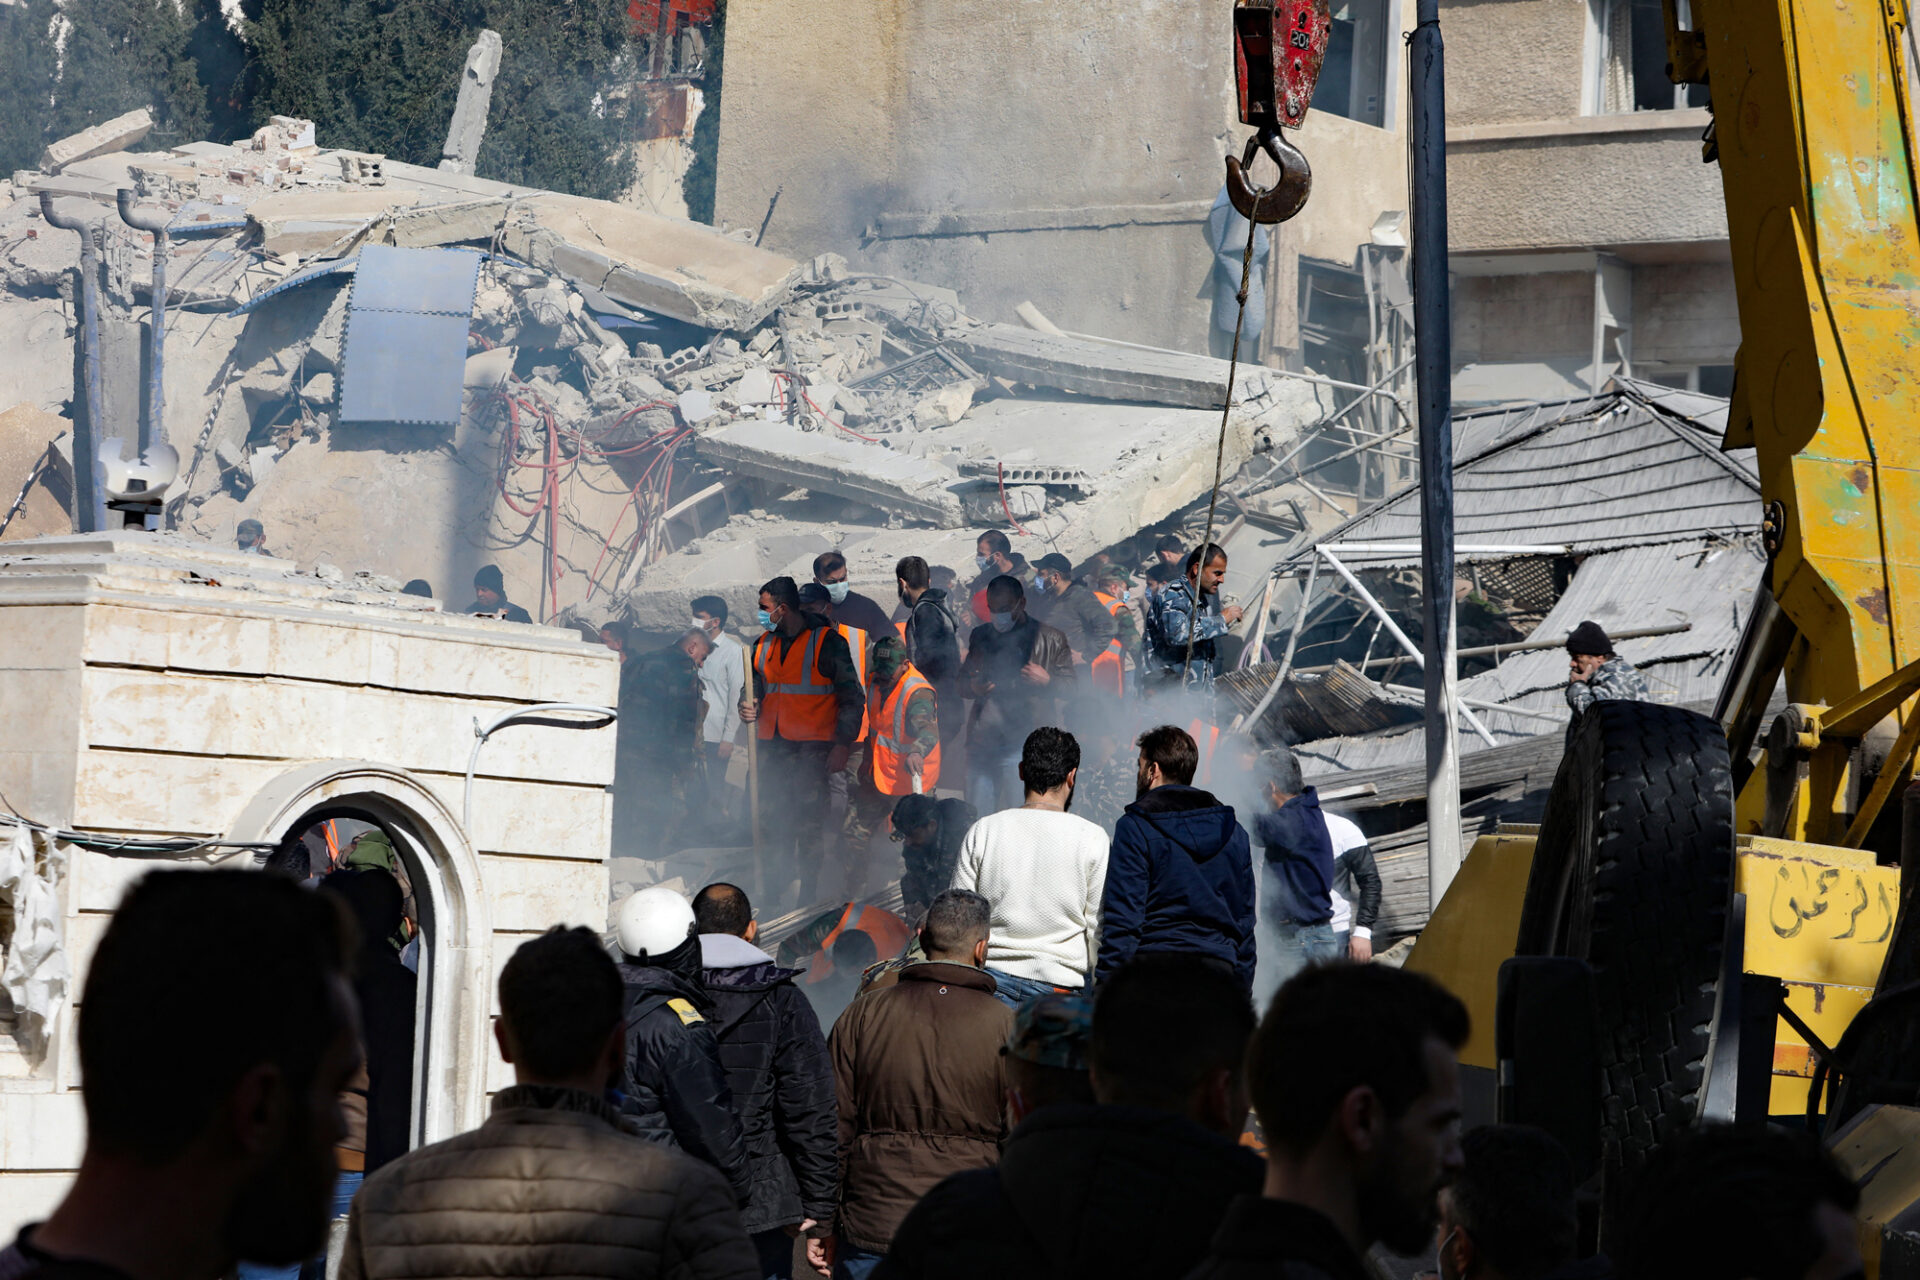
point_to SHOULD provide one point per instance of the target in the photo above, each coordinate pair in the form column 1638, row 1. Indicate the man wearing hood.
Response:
column 1019, row 672
column 676, row 1089
column 1180, row 872
column 782, row 1080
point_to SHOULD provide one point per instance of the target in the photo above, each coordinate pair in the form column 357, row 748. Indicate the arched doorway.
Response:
column 452, row 1046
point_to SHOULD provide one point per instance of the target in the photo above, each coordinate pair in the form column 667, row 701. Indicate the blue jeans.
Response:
column 1295, row 946
column 993, row 780
column 854, row 1264
column 344, row 1187
column 1013, row 992
column 775, row 1248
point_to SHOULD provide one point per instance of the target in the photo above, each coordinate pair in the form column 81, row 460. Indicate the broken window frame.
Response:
column 1360, row 78
column 1626, row 60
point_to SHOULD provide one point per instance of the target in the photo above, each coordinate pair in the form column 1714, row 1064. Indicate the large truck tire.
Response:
column 1632, row 873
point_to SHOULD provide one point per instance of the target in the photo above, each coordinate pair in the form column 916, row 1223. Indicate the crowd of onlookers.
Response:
column 678, row 1111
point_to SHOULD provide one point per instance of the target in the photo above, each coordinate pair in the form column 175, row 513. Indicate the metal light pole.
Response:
column 1433, row 374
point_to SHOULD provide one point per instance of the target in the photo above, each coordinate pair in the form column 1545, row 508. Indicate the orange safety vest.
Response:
column 1106, row 668
column 799, row 704
column 889, row 751
column 1207, row 738
column 857, row 645
column 888, row 931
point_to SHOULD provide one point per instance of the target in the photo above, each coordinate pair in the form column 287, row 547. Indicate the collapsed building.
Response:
column 414, row 372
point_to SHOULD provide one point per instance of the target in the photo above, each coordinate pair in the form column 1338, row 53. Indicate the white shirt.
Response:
column 1345, row 836
column 1044, row 872
column 722, row 677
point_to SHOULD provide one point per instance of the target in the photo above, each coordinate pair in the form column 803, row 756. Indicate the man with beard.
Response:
column 675, row 1084
column 211, row 1120
column 1043, row 869
column 1355, row 1079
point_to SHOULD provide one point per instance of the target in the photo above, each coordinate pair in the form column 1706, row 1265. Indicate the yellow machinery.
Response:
column 1698, row 895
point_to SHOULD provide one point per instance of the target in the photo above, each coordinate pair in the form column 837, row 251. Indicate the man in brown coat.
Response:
column 921, row 1084
column 550, row 1185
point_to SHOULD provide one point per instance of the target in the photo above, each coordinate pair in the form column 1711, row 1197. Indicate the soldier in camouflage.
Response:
column 1595, row 673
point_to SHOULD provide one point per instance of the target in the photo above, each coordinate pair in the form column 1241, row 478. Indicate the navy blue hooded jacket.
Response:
column 1179, row 878
column 1299, row 861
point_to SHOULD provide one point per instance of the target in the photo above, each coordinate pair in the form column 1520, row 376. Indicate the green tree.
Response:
column 702, row 174
column 26, row 91
column 383, row 75
column 124, row 54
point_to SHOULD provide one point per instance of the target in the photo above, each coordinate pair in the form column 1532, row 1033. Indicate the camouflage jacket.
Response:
column 1617, row 680
column 1170, row 617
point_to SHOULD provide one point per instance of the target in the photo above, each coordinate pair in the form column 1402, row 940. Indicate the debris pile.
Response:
column 649, row 407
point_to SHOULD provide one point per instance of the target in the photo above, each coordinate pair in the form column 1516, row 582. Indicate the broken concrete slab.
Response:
column 469, row 123
column 662, row 265
column 885, row 478
column 429, row 225
column 299, row 222
column 116, row 134
column 1107, row 370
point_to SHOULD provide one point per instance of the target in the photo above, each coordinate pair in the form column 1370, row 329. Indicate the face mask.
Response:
column 981, row 563
column 1002, row 621
column 1126, row 595
column 766, row 620
column 837, row 591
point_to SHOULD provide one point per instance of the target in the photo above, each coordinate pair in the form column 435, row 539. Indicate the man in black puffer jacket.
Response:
column 676, row 1091
column 1130, row 1188
column 782, row 1080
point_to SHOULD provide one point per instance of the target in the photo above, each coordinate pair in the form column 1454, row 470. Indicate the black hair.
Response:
column 913, row 571
column 1719, row 1205
column 996, row 542
column 722, row 908
column 418, row 587
column 1174, row 750
column 782, row 590
column 853, row 951
column 264, row 958
column 1169, row 542
column 826, row 562
column 956, row 921
column 1047, row 757
column 560, row 998
column 1204, row 555
column 1514, row 1196
column 1286, row 774
column 1335, row 1028
column 619, row 629
column 1005, row 586
column 1162, row 1024
column 713, row 606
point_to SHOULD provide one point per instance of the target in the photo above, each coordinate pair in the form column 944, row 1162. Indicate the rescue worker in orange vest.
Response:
column 806, row 710
column 903, row 747
column 1111, row 588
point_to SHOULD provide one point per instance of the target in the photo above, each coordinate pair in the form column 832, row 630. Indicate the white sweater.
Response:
column 1044, row 872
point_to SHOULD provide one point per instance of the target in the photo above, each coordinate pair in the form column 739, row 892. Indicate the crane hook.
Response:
column 1287, row 196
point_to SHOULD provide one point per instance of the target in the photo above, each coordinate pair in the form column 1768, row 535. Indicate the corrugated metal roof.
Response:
column 1708, row 583
column 1613, row 471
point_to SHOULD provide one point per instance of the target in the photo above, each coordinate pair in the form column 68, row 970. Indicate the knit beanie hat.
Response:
column 1590, row 638
column 488, row 576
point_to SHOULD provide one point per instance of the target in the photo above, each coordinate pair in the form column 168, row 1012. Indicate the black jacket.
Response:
column 776, row 1062
column 1006, row 713
column 933, row 638
column 1263, row 1239
column 1179, row 878
column 676, row 1090
column 1116, row 1193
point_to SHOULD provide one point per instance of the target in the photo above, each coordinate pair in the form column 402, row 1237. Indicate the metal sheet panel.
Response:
column 403, row 367
column 405, row 352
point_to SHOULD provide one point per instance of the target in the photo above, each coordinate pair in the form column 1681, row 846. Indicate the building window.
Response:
column 1354, row 79
column 1629, row 65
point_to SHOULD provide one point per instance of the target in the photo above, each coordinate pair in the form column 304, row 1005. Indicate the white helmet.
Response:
column 654, row 921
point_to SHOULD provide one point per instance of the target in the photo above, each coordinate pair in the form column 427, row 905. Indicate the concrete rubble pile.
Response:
column 798, row 406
